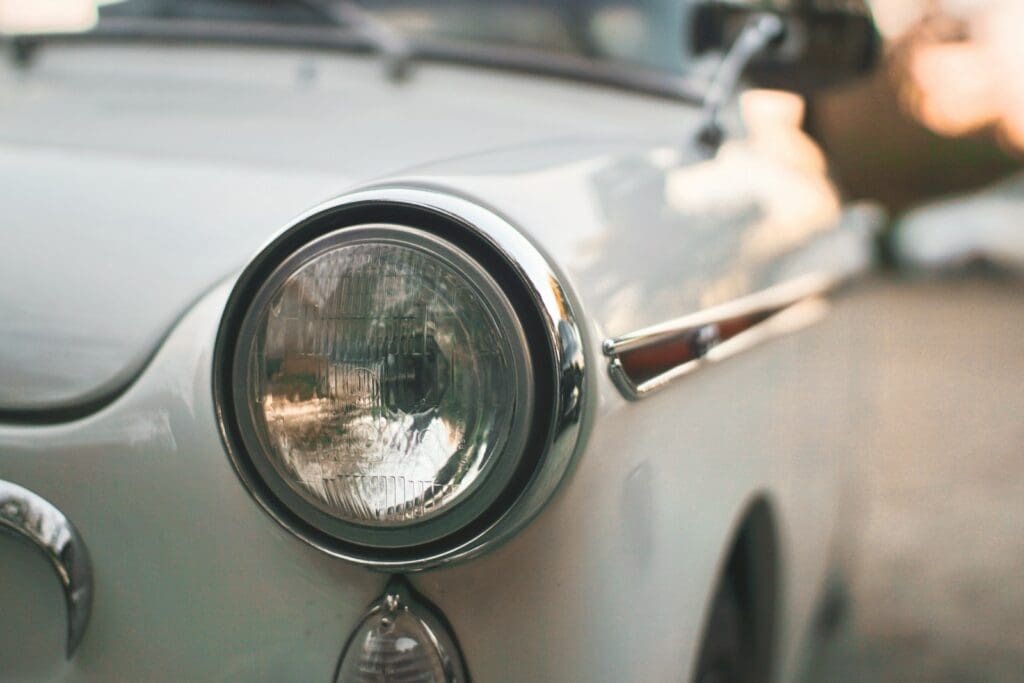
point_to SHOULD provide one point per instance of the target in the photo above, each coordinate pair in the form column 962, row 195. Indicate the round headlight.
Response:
column 399, row 378
column 385, row 383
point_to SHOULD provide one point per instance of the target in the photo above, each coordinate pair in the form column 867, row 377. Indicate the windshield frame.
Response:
column 638, row 79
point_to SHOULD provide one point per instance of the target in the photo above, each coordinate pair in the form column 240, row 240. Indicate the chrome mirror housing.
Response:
column 823, row 43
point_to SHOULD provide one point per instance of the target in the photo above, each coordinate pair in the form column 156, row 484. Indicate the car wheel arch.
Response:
column 749, row 569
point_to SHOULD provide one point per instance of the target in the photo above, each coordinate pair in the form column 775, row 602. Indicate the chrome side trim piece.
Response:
column 717, row 333
column 30, row 516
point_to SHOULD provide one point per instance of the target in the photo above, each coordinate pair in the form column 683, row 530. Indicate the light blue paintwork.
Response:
column 137, row 181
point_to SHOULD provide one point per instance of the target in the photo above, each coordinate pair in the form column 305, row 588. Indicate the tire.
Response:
column 723, row 652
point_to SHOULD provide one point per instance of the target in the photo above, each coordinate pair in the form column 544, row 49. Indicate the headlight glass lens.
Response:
column 381, row 384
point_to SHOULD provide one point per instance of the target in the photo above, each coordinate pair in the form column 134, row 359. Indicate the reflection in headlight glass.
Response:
column 380, row 383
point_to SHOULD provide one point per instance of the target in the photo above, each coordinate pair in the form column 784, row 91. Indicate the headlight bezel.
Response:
column 554, row 351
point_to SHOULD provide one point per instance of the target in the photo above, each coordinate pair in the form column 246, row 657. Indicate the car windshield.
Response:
column 623, row 35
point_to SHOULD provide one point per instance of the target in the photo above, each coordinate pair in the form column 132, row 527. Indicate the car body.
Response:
column 979, row 227
column 141, row 177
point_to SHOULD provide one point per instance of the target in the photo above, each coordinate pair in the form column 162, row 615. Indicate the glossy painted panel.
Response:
column 194, row 581
column 647, row 233
column 33, row 630
column 134, row 178
column 612, row 581
column 613, row 578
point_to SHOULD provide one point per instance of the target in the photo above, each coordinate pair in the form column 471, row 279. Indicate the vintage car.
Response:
column 548, row 380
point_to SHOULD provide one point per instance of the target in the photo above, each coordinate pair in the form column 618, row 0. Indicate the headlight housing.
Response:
column 396, row 383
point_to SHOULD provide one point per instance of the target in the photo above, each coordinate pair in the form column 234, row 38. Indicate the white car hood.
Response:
column 102, row 255
column 133, row 178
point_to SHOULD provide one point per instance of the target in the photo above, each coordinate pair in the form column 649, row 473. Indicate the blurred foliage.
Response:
column 881, row 153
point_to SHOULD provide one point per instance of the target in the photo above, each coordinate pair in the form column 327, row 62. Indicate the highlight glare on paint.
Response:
column 25, row 17
column 961, row 84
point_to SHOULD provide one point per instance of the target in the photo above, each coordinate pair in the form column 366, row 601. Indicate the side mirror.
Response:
column 823, row 42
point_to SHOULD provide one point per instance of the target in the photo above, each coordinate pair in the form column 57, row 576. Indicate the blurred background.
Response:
column 937, row 136
column 945, row 115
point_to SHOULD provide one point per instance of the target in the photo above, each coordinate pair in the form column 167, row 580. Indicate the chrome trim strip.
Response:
column 788, row 307
column 30, row 516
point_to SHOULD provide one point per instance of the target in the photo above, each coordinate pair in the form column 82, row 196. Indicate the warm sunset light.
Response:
column 962, row 68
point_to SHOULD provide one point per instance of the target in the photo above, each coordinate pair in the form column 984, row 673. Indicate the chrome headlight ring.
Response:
column 538, row 456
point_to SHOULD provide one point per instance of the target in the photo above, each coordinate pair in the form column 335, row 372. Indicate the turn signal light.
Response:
column 401, row 640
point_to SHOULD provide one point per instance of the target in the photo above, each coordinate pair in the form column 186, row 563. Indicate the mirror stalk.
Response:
column 759, row 31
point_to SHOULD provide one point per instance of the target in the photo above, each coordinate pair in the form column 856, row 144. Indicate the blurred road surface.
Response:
column 938, row 583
